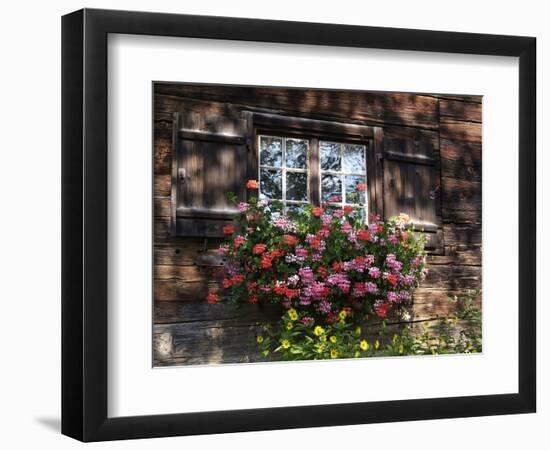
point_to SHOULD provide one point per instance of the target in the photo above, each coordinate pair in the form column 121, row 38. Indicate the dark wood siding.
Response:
column 186, row 330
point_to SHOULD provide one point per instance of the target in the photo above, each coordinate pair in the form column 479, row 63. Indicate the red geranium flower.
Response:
column 258, row 249
column 317, row 211
column 292, row 293
column 212, row 298
column 392, row 279
column 348, row 209
column 279, row 289
column 266, row 262
column 290, row 240
column 363, row 235
column 252, row 184
column 381, row 309
column 228, row 229
column 361, row 187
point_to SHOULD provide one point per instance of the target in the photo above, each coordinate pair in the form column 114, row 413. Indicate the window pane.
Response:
column 292, row 209
column 330, row 156
column 354, row 195
column 296, row 153
column 271, row 151
column 271, row 184
column 354, row 158
column 359, row 214
column 296, row 186
column 331, row 188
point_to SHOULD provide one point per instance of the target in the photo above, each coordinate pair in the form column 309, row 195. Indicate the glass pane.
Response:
column 330, row 156
column 271, row 184
column 331, row 188
column 296, row 153
column 271, row 151
column 296, row 186
column 293, row 210
column 353, row 193
column 354, row 158
column 359, row 214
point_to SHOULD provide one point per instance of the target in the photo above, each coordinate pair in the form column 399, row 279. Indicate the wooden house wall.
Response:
column 189, row 331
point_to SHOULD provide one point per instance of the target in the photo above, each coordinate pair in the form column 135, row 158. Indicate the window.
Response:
column 343, row 174
column 285, row 171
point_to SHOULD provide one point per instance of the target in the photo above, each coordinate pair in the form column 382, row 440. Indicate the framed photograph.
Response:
column 273, row 224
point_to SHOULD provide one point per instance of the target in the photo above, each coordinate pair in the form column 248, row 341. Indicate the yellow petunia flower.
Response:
column 377, row 344
column 364, row 345
column 285, row 343
column 342, row 314
column 334, row 354
column 318, row 330
column 259, row 339
column 292, row 314
column 333, row 339
column 289, row 326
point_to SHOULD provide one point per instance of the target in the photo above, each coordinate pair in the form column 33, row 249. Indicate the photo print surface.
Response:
column 307, row 224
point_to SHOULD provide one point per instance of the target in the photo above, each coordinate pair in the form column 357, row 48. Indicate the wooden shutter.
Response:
column 409, row 184
column 209, row 160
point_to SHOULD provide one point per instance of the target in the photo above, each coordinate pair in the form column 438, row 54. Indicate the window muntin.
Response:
column 284, row 173
column 342, row 168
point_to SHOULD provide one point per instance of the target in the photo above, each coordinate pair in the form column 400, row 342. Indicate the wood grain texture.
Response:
column 459, row 110
column 367, row 107
column 460, row 131
column 461, row 159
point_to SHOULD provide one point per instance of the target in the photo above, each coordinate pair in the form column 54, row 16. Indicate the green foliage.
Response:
column 291, row 339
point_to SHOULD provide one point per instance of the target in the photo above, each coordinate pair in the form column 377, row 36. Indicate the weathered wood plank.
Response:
column 461, row 159
column 162, row 185
column 187, row 273
column 161, row 229
column 184, row 251
column 462, row 98
column 194, row 290
column 454, row 278
column 212, row 342
column 416, row 134
column 162, row 206
column 462, row 236
column 460, row 131
column 459, row 110
column 162, row 156
column 242, row 314
column 454, row 256
column 461, row 216
column 367, row 107
column 461, row 194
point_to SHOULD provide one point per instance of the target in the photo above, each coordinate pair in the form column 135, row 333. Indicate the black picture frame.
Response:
column 84, row 224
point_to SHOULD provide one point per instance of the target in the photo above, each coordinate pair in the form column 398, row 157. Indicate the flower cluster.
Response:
column 320, row 261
